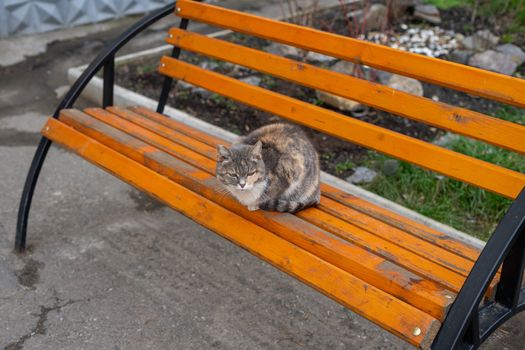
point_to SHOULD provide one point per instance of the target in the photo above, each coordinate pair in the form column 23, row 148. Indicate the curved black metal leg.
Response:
column 467, row 325
column 106, row 59
column 27, row 194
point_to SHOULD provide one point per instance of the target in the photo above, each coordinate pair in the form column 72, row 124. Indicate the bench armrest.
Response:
column 467, row 324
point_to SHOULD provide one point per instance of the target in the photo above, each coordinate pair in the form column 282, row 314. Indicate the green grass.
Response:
column 454, row 203
column 511, row 12
column 342, row 167
column 446, row 4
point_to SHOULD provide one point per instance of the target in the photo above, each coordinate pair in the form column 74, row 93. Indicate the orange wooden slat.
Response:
column 472, row 80
column 482, row 174
column 423, row 266
column 380, row 214
column 397, row 236
column 175, row 125
column 459, row 120
column 424, row 232
column 391, row 313
column 358, row 220
column 419, row 239
column 380, row 272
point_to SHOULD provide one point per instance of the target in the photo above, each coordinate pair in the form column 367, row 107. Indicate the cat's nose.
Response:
column 242, row 185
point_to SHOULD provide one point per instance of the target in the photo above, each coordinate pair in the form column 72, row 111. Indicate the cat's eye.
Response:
column 232, row 174
column 251, row 173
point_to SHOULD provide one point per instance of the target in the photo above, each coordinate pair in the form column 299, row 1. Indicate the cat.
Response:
column 274, row 168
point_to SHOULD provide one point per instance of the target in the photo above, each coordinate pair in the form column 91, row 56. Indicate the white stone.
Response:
column 408, row 85
column 362, row 175
column 515, row 53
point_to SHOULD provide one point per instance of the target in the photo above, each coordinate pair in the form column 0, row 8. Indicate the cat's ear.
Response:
column 222, row 153
column 257, row 150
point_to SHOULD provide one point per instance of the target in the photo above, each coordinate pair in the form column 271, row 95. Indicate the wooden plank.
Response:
column 401, row 238
column 475, row 81
column 424, row 232
column 381, row 214
column 378, row 271
column 177, row 126
column 476, row 172
column 359, row 220
column 374, row 304
column 185, row 147
column 440, row 246
column 458, row 120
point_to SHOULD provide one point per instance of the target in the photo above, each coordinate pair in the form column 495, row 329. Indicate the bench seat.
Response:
column 396, row 272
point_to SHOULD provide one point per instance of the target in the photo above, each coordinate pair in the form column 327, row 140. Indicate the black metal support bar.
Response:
column 27, row 194
column 109, row 80
column 472, row 332
column 504, row 247
column 105, row 56
column 509, row 287
column 166, row 85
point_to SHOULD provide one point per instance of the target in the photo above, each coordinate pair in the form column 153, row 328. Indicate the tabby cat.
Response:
column 274, row 167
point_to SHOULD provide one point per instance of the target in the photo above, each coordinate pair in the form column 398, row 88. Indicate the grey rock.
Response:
column 318, row 57
column 467, row 43
column 494, row 61
column 480, row 41
column 382, row 76
column 350, row 68
column 362, row 175
column 446, row 139
column 282, row 50
column 338, row 102
column 373, row 19
column 408, row 85
column 390, row 167
column 461, row 56
column 209, row 65
column 515, row 53
column 253, row 80
column 342, row 103
column 343, row 67
column 376, row 17
column 400, row 7
column 429, row 13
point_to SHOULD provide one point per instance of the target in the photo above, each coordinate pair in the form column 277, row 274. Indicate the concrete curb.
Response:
column 125, row 97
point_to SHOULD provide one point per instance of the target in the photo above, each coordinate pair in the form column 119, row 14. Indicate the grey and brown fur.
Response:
column 273, row 168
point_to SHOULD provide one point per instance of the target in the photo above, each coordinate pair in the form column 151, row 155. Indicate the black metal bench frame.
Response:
column 466, row 325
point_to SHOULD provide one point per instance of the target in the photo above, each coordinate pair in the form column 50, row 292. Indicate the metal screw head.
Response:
column 416, row 331
column 179, row 9
column 448, row 296
column 170, row 36
column 163, row 65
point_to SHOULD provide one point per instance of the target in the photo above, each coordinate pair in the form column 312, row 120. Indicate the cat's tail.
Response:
column 284, row 205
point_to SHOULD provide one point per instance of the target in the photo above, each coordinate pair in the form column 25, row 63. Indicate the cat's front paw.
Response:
column 253, row 207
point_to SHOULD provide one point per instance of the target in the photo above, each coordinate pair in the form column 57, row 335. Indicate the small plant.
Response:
column 231, row 105
column 146, row 69
column 446, row 4
column 268, row 81
column 218, row 99
column 345, row 166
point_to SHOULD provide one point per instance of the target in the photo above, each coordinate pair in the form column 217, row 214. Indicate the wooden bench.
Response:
column 430, row 289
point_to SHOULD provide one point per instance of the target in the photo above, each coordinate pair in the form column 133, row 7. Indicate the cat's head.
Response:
column 240, row 167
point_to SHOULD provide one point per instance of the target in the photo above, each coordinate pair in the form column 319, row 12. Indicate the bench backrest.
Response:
column 459, row 120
